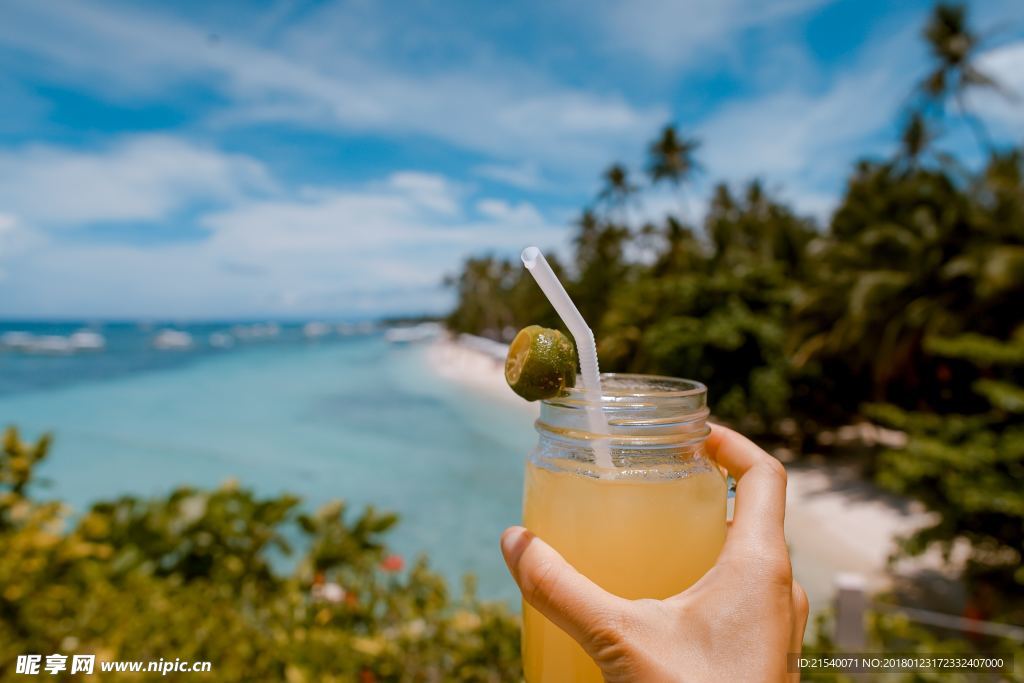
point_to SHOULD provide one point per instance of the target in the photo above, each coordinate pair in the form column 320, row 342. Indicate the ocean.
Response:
column 347, row 416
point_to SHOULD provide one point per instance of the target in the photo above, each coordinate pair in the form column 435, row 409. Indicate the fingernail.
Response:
column 510, row 538
column 513, row 542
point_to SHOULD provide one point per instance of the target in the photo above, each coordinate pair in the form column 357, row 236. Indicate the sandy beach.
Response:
column 835, row 522
column 477, row 364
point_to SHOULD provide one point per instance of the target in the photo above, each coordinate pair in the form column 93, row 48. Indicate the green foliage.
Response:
column 198, row 575
column 919, row 310
column 671, row 157
column 908, row 297
column 969, row 467
column 914, row 263
column 894, row 632
column 712, row 311
column 497, row 297
column 907, row 308
column 600, row 260
column 954, row 48
column 978, row 349
column 724, row 326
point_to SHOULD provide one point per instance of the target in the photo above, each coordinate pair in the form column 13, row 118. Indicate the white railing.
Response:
column 851, row 605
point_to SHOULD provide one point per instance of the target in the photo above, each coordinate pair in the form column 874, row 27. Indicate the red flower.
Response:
column 392, row 563
column 366, row 676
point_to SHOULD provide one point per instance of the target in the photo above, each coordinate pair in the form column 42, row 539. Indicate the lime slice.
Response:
column 541, row 363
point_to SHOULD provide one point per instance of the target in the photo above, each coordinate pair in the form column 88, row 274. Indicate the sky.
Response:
column 298, row 159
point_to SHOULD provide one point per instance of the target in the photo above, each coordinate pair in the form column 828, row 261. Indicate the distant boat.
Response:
column 172, row 340
column 349, row 329
column 54, row 344
column 412, row 333
column 242, row 332
column 87, row 340
column 51, row 344
column 256, row 331
column 221, row 340
column 315, row 330
column 17, row 340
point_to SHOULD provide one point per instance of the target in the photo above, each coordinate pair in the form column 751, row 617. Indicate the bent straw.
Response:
column 541, row 271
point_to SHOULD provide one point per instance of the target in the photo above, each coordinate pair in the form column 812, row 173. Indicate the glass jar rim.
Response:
column 620, row 388
column 640, row 410
column 645, row 415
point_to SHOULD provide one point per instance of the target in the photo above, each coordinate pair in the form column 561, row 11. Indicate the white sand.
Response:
column 835, row 522
column 475, row 370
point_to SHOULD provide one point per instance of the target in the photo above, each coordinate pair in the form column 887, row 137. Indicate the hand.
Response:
column 737, row 623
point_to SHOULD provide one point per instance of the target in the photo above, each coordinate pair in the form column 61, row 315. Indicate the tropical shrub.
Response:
column 205, row 576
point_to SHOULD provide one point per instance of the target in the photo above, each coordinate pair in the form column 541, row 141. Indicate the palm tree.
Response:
column 954, row 48
column 681, row 250
column 671, row 157
column 600, row 260
column 481, row 288
column 911, row 257
column 754, row 227
column 618, row 187
column 617, row 193
column 914, row 141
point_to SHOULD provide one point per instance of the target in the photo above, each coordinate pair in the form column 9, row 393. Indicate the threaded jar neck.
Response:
column 650, row 419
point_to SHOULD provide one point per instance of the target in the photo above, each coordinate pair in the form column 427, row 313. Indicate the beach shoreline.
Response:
column 477, row 364
column 836, row 523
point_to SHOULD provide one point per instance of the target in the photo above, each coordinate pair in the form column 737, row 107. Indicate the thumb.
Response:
column 554, row 588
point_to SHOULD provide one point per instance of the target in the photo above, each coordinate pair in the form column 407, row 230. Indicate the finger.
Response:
column 801, row 608
column 760, row 505
column 554, row 588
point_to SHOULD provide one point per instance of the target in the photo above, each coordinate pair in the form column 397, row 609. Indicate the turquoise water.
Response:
column 353, row 418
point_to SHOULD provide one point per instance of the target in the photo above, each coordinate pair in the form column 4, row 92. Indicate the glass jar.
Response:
column 649, row 527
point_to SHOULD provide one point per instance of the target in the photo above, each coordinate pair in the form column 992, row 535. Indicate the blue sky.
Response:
column 306, row 159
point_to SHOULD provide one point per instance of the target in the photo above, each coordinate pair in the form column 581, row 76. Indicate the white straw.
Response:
column 538, row 266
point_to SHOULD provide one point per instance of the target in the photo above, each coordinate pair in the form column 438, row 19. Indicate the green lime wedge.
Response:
column 541, row 363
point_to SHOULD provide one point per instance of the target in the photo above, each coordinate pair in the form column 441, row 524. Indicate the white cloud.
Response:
column 655, row 206
column 671, row 32
column 804, row 140
column 381, row 246
column 525, row 175
column 380, row 221
column 507, row 110
column 139, row 178
column 803, row 137
column 790, row 132
column 428, row 190
column 7, row 224
column 16, row 238
column 1006, row 65
column 520, row 214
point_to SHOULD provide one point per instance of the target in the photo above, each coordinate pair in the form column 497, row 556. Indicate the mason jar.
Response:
column 648, row 527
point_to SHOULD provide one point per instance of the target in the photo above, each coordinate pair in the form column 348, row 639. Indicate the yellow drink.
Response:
column 648, row 530
column 637, row 539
